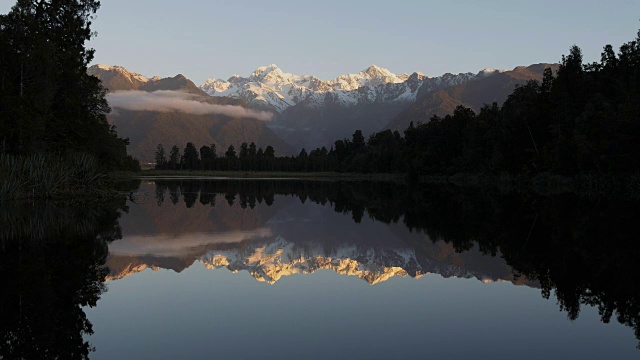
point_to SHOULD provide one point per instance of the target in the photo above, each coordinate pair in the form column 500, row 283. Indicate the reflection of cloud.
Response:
column 166, row 101
column 164, row 245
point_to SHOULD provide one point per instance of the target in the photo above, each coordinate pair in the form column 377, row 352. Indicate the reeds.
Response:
column 46, row 175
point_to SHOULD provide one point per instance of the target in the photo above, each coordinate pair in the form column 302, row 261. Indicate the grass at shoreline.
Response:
column 259, row 175
column 544, row 184
column 51, row 176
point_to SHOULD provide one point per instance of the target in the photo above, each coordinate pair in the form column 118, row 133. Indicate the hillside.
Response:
column 474, row 94
column 147, row 129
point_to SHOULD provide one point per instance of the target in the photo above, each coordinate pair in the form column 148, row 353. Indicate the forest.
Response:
column 583, row 119
column 53, row 114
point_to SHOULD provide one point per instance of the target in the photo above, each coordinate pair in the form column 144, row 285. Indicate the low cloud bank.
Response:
column 166, row 101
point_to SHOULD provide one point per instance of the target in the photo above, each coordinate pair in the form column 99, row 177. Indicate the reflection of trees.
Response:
column 581, row 250
column 51, row 265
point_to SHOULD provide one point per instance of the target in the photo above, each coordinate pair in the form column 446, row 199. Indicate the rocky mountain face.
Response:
column 313, row 112
column 307, row 112
column 488, row 87
column 117, row 78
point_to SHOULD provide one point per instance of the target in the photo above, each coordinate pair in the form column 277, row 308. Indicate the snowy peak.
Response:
column 270, row 88
column 117, row 72
column 263, row 71
column 384, row 76
column 374, row 71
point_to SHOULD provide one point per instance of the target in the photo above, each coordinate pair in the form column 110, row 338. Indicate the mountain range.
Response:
column 307, row 112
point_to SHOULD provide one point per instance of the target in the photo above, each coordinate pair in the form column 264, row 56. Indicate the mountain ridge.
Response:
column 146, row 129
column 268, row 87
column 310, row 112
column 474, row 94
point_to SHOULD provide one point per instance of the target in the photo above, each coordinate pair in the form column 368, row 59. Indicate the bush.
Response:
column 44, row 175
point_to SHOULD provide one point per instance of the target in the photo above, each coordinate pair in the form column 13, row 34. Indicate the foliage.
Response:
column 48, row 103
column 585, row 119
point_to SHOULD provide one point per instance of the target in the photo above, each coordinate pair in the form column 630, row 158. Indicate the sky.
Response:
column 215, row 39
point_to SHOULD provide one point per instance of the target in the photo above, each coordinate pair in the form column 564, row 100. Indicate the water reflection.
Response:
column 54, row 259
column 51, row 266
column 281, row 228
column 577, row 249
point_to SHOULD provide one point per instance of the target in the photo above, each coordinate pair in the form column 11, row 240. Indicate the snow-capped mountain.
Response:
column 117, row 77
column 311, row 112
column 269, row 87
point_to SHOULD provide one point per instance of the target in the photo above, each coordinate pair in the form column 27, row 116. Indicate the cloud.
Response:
column 166, row 101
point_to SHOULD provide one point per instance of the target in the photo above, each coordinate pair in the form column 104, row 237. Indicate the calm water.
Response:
column 293, row 269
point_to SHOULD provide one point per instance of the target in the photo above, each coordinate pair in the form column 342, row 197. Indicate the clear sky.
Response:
column 326, row 38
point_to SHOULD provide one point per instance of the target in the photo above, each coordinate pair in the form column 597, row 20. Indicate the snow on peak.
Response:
column 374, row 71
column 265, row 70
column 271, row 88
column 488, row 72
column 126, row 73
column 104, row 67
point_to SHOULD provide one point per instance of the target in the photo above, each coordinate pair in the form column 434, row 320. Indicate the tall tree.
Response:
column 244, row 150
column 174, row 158
column 191, row 160
column 161, row 159
column 269, row 152
column 49, row 101
column 231, row 152
column 206, row 158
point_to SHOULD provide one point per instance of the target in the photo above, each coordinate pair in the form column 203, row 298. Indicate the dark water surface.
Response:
column 258, row 269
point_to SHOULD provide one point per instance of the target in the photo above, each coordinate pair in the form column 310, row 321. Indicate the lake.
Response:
column 259, row 269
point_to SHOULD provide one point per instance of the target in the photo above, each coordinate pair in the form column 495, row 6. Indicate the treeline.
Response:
column 583, row 119
column 251, row 158
column 48, row 103
column 247, row 158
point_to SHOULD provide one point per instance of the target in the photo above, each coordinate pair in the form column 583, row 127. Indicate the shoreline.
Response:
column 545, row 184
column 256, row 175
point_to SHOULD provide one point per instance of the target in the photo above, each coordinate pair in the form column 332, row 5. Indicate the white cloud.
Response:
column 166, row 101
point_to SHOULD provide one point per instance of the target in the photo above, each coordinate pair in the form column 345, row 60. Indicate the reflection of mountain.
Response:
column 269, row 261
column 289, row 237
column 573, row 247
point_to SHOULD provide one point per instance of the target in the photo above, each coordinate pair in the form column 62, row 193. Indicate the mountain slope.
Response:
column 314, row 123
column 117, row 78
column 493, row 87
column 147, row 129
column 176, row 83
column 314, row 112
